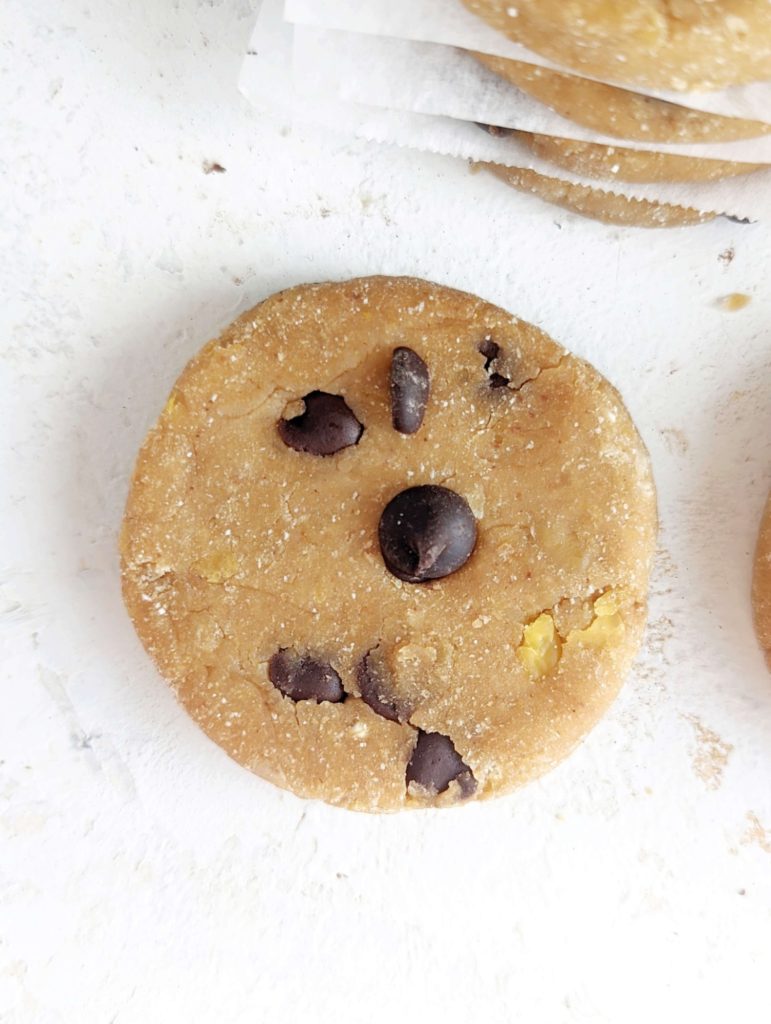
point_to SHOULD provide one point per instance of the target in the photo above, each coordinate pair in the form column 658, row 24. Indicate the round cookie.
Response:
column 761, row 584
column 613, row 111
column 593, row 160
column 680, row 45
column 390, row 544
column 596, row 203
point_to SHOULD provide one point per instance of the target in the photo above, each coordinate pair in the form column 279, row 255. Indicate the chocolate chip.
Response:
column 373, row 686
column 326, row 426
column 490, row 350
column 435, row 763
column 302, row 677
column 426, row 533
column 494, row 129
column 410, row 386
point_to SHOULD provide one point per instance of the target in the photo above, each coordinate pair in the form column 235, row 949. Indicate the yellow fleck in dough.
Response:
column 607, row 627
column 761, row 584
column 216, row 567
column 659, row 44
column 540, row 649
column 599, row 204
column 243, row 558
column 612, row 111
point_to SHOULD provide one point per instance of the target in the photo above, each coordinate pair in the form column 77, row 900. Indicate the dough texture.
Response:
column 613, row 111
column 761, row 584
column 597, row 203
column 252, row 568
column 658, row 44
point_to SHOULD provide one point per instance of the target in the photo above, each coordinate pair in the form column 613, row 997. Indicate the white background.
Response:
column 144, row 877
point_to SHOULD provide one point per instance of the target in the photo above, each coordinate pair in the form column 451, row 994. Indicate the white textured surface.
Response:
column 144, row 878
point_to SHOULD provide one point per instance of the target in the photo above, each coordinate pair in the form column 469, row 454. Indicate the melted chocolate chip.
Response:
column 410, row 386
column 371, row 678
column 302, row 677
column 435, row 763
column 426, row 533
column 490, row 350
column 326, row 426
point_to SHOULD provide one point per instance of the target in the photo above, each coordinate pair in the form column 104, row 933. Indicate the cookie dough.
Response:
column 596, row 203
column 613, row 111
column 761, row 584
column 383, row 617
column 658, row 44
column 592, row 160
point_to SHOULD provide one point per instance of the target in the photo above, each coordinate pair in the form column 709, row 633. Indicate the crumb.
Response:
column 212, row 167
column 734, row 302
column 711, row 754
column 727, row 256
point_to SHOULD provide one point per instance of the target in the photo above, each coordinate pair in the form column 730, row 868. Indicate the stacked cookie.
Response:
column 699, row 45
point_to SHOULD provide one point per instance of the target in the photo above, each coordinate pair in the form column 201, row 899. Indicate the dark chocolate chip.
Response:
column 426, row 533
column 326, row 426
column 410, row 386
column 302, row 677
column 435, row 763
column 490, row 350
column 374, row 689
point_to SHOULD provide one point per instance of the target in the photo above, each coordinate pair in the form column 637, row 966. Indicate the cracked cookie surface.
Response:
column 253, row 569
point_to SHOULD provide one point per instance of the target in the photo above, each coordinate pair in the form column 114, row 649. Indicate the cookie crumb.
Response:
column 734, row 302
column 212, row 167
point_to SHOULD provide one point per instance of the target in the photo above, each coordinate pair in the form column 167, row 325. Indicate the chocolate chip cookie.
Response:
column 761, row 584
column 680, row 44
column 610, row 110
column 597, row 203
column 609, row 163
column 390, row 544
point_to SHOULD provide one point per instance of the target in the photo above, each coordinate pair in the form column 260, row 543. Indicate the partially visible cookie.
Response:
column 761, row 584
column 390, row 544
column 680, row 45
column 606, row 163
column 611, row 110
column 597, row 203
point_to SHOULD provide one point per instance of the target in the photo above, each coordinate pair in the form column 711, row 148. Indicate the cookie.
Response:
column 610, row 110
column 390, row 544
column 597, row 203
column 689, row 44
column 761, row 584
column 593, row 160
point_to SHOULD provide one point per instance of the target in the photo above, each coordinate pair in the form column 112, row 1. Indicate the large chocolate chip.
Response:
column 490, row 350
column 410, row 386
column 326, row 426
column 435, row 763
column 426, row 533
column 302, row 677
column 372, row 681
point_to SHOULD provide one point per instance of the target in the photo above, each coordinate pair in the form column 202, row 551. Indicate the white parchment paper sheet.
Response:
column 448, row 22
column 428, row 78
column 267, row 80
